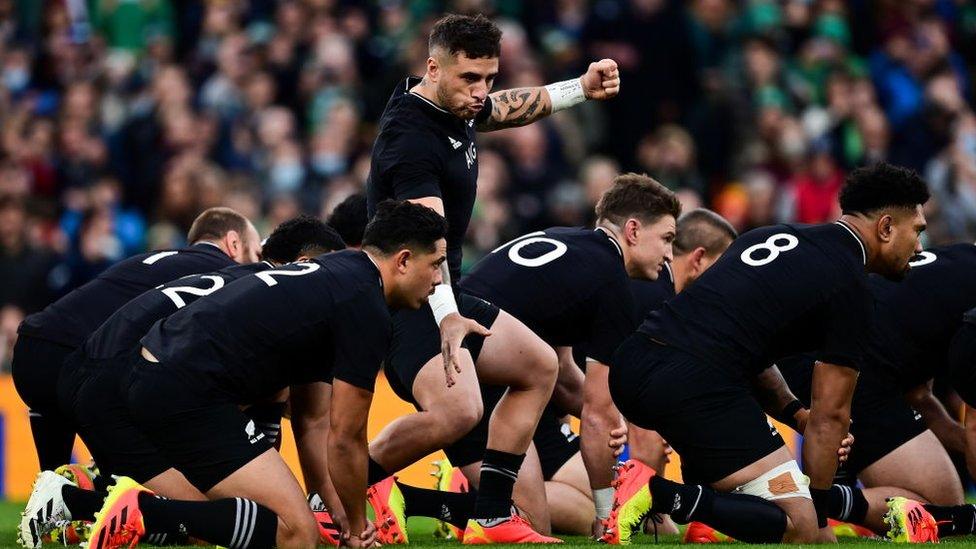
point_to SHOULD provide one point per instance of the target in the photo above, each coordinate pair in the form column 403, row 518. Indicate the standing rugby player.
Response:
column 426, row 152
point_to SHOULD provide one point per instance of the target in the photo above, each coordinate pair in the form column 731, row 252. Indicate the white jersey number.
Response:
column 775, row 245
column 174, row 292
column 514, row 253
column 924, row 258
column 157, row 256
column 303, row 269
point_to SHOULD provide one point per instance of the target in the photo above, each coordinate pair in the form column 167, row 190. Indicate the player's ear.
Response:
column 433, row 69
column 631, row 228
column 885, row 226
column 698, row 259
column 401, row 259
column 233, row 242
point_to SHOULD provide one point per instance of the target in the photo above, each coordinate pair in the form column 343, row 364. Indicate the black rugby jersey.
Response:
column 916, row 318
column 74, row 317
column 423, row 150
column 568, row 285
column 777, row 291
column 295, row 324
column 123, row 330
column 649, row 295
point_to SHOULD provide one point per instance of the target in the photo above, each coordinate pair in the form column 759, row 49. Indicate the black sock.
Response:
column 745, row 518
column 498, row 473
column 82, row 503
column 102, row 482
column 954, row 520
column 267, row 418
column 452, row 507
column 375, row 472
column 846, row 504
column 235, row 523
column 53, row 440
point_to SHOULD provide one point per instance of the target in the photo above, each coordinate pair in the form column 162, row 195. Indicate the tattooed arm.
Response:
column 521, row 106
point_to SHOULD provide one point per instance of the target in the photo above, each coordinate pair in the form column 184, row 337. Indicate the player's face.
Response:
column 420, row 273
column 904, row 242
column 651, row 247
column 463, row 83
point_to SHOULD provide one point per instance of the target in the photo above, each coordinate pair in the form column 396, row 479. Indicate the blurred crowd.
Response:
column 122, row 119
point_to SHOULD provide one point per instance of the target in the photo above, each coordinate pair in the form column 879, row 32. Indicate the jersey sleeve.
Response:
column 415, row 171
column 614, row 321
column 849, row 321
column 362, row 334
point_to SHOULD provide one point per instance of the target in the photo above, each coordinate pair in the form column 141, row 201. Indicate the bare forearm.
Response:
column 312, row 441
column 772, row 391
column 568, row 393
column 821, row 439
column 517, row 107
column 950, row 432
column 347, row 468
column 597, row 455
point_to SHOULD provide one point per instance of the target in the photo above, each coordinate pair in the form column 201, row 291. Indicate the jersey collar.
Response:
column 612, row 239
column 864, row 253
column 412, row 81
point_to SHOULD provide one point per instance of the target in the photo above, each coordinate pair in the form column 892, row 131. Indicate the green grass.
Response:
column 420, row 531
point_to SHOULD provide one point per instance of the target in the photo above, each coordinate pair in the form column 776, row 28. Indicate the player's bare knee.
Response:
column 298, row 532
column 800, row 528
column 462, row 415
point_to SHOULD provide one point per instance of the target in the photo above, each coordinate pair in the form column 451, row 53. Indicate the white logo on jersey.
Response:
column 471, row 155
column 251, row 430
column 454, row 142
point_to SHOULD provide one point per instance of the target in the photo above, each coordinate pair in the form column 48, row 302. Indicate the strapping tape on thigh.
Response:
column 780, row 482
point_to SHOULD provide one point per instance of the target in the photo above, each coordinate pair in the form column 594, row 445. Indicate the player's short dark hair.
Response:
column 349, row 219
column 476, row 36
column 403, row 224
column 301, row 236
column 703, row 228
column 638, row 196
column 880, row 186
column 214, row 223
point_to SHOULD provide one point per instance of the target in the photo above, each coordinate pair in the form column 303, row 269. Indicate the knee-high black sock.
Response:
column 954, row 520
column 375, row 472
column 498, row 473
column 53, row 440
column 267, row 418
column 847, row 504
column 452, row 507
column 235, row 523
column 746, row 518
column 82, row 503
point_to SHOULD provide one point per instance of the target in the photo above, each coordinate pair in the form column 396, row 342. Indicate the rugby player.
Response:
column 426, row 152
column 90, row 397
column 701, row 238
column 298, row 326
column 687, row 372
column 349, row 219
column 219, row 237
column 901, row 451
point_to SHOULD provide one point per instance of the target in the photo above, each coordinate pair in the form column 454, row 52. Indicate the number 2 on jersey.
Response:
column 299, row 270
column 174, row 292
column 771, row 246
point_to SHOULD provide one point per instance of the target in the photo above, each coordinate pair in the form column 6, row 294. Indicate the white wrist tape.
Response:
column 603, row 501
column 442, row 302
column 565, row 94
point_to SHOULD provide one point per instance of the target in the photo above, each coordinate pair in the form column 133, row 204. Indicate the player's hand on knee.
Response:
column 602, row 80
column 454, row 328
column 618, row 438
column 845, row 448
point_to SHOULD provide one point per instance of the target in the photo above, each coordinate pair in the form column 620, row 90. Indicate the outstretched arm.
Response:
column 521, row 106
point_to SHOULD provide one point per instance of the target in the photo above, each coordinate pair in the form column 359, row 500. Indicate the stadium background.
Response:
column 120, row 120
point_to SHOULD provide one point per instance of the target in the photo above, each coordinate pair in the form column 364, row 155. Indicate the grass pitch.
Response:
column 421, row 536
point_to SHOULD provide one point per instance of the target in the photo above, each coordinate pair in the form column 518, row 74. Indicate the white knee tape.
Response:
column 780, row 482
